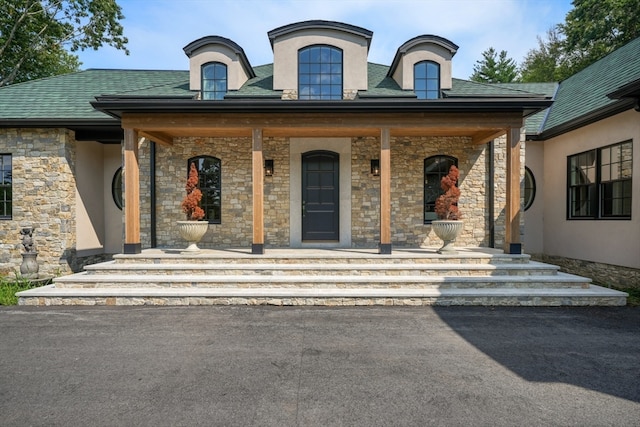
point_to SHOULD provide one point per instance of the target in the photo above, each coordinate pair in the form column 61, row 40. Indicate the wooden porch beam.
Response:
column 132, row 243
column 257, row 159
column 385, row 191
column 159, row 137
column 484, row 137
column 203, row 122
column 512, row 209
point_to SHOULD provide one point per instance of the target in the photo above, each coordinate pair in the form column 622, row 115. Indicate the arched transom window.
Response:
column 426, row 80
column 214, row 80
column 435, row 168
column 320, row 73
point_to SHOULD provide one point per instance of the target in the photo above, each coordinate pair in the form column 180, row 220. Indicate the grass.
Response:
column 9, row 287
column 633, row 299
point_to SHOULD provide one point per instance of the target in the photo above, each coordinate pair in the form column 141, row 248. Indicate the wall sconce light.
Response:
column 268, row 168
column 375, row 167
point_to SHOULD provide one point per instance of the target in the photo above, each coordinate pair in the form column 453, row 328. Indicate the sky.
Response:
column 159, row 29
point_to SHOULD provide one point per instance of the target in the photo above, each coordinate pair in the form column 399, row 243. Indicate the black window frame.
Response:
column 305, row 68
column 426, row 91
column 429, row 199
column 528, row 201
column 116, row 188
column 218, row 95
column 211, row 195
column 6, row 186
column 592, row 185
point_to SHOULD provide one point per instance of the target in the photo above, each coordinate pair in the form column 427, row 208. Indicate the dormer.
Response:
column 423, row 65
column 320, row 60
column 216, row 65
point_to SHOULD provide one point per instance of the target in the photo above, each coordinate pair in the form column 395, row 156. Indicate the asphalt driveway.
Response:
column 274, row 366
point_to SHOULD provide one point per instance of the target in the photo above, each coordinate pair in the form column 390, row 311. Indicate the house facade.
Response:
column 321, row 148
column 580, row 153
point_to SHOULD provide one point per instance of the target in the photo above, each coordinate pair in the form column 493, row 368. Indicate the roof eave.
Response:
column 587, row 119
column 116, row 106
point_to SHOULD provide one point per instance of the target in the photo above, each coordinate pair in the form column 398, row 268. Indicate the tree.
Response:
column 592, row 30
column 595, row 28
column 546, row 63
column 38, row 37
column 490, row 70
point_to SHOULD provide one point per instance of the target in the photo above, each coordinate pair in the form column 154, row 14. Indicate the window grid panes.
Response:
column 599, row 182
column 6, row 180
column 209, row 182
column 320, row 73
column 426, row 80
column 214, row 81
column 434, row 169
column 529, row 188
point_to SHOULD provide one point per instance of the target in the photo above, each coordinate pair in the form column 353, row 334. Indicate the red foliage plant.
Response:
column 447, row 204
column 191, row 202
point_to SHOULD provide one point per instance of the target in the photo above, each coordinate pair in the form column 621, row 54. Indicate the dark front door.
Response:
column 320, row 196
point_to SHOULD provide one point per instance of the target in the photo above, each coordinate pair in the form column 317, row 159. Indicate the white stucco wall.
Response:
column 285, row 57
column 236, row 75
column 534, row 216
column 89, row 198
column 614, row 242
column 424, row 52
column 113, row 222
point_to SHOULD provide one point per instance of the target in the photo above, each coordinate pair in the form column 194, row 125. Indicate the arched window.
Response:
column 116, row 188
column 214, row 80
column 529, row 188
column 320, row 73
column 426, row 80
column 209, row 182
column 435, row 168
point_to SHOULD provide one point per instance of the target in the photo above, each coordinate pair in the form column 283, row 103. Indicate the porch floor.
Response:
column 322, row 276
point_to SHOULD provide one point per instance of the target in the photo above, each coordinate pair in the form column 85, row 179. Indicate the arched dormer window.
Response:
column 214, row 80
column 426, row 80
column 435, row 168
column 320, row 72
column 209, row 182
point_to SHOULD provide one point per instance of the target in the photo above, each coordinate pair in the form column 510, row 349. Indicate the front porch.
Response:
column 326, row 277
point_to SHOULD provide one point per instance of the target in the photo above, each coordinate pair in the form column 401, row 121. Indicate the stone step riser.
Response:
column 324, row 284
column 119, row 259
column 479, row 300
column 324, row 272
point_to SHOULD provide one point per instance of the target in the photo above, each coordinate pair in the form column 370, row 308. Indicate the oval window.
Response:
column 116, row 188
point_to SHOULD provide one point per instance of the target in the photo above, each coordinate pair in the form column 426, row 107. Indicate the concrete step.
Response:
column 346, row 256
column 588, row 296
column 328, row 268
column 84, row 280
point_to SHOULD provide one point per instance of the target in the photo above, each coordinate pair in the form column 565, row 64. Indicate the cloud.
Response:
column 159, row 29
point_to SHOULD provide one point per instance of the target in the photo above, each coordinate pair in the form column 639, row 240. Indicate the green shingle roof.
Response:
column 586, row 91
column 68, row 96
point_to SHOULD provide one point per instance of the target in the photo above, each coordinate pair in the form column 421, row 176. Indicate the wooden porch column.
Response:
column 512, row 209
column 385, row 192
column 132, row 243
column 257, row 246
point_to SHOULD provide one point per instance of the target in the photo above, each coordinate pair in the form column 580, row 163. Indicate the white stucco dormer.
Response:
column 351, row 41
column 216, row 49
column 429, row 48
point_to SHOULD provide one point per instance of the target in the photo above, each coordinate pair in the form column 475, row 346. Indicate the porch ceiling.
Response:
column 480, row 127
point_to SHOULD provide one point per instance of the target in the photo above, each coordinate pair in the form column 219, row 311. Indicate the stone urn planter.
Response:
column 192, row 229
column 192, row 232
column 448, row 231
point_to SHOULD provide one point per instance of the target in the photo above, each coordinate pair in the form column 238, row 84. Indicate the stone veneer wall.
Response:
column 44, row 196
column 235, row 228
column 601, row 274
column 407, row 192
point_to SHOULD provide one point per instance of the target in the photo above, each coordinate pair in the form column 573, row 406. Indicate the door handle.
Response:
column 304, row 208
